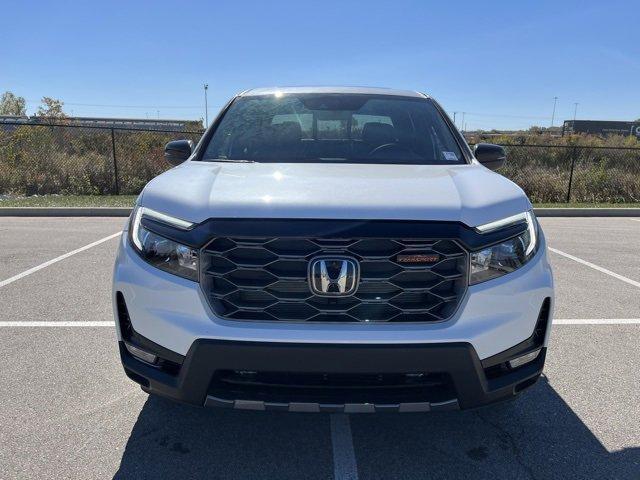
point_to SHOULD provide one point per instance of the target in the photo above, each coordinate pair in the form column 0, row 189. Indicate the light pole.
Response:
column 454, row 118
column 575, row 111
column 462, row 123
column 206, row 109
column 553, row 115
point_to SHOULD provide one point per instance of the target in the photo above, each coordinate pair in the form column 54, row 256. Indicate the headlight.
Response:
column 505, row 257
column 161, row 252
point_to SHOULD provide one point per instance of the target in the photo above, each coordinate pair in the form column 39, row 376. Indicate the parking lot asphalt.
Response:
column 68, row 411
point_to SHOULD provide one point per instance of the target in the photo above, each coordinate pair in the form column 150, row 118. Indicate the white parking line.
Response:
column 596, row 321
column 57, row 259
column 344, row 457
column 635, row 219
column 596, row 267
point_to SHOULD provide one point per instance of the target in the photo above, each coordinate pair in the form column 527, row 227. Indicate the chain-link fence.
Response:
column 81, row 160
column 584, row 174
column 78, row 160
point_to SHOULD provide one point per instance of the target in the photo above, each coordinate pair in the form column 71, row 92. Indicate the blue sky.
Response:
column 502, row 62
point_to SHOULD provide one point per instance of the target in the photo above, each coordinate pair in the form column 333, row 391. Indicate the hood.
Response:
column 471, row 194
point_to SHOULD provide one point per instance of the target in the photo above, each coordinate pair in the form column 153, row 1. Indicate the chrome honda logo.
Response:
column 333, row 276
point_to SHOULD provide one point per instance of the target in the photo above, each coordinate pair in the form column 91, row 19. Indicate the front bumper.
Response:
column 469, row 382
column 465, row 356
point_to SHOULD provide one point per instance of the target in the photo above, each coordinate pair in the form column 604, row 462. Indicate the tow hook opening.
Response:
column 525, row 384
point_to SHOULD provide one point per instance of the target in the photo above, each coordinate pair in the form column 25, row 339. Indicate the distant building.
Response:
column 14, row 118
column 10, row 122
column 132, row 123
column 601, row 127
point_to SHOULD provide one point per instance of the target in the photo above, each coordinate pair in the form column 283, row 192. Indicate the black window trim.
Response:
column 457, row 136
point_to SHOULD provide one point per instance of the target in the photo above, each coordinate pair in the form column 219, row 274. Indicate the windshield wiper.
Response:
column 228, row 160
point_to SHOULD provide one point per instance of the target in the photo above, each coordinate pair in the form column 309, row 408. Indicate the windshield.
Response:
column 354, row 128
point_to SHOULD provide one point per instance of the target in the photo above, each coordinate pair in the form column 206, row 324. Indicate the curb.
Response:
column 65, row 211
column 125, row 211
column 587, row 212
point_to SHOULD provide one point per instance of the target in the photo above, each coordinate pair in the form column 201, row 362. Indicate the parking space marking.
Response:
column 344, row 457
column 596, row 321
column 55, row 260
column 596, row 267
column 635, row 219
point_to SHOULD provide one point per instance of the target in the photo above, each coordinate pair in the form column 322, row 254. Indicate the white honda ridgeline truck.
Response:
column 333, row 249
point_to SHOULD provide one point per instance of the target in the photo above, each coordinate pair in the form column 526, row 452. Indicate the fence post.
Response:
column 115, row 163
column 574, row 154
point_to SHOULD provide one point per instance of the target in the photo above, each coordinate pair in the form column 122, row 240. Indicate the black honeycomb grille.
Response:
column 266, row 279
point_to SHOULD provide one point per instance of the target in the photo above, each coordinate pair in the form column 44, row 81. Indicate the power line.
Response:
column 534, row 117
column 199, row 107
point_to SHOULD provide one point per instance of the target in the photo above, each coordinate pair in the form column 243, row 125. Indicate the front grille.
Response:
column 266, row 279
column 332, row 388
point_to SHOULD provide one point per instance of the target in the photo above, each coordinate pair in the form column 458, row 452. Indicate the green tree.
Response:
column 51, row 109
column 12, row 105
column 195, row 125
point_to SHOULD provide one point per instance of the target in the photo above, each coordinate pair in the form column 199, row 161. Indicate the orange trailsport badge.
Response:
column 418, row 258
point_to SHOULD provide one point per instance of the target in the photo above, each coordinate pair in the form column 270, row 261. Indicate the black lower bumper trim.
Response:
column 459, row 361
column 309, row 407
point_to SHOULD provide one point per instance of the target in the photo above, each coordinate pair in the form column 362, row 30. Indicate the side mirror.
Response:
column 490, row 155
column 178, row 151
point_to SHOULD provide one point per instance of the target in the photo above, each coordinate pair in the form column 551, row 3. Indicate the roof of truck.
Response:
column 363, row 90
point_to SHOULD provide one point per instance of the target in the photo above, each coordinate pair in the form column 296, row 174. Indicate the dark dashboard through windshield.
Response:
column 349, row 128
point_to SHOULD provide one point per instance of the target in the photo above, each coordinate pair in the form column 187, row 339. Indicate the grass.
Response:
column 70, row 201
column 128, row 200
column 586, row 205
